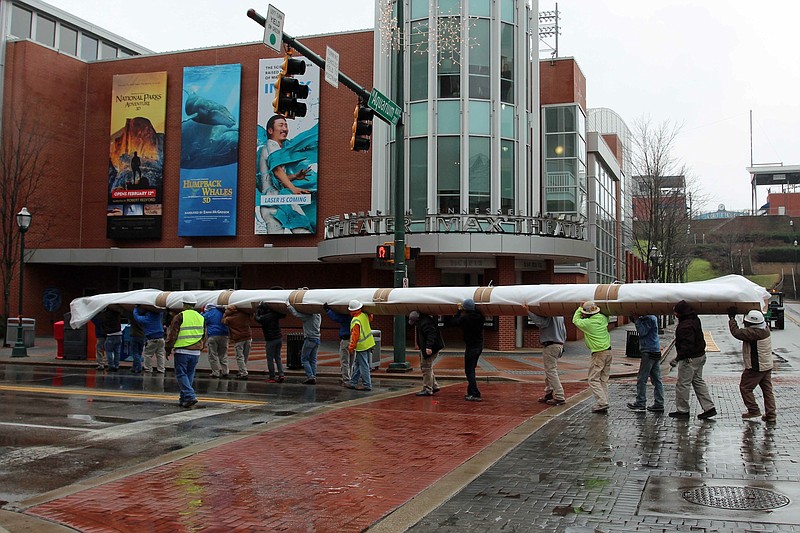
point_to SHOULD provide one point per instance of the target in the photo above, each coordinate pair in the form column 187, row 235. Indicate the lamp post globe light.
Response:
column 23, row 223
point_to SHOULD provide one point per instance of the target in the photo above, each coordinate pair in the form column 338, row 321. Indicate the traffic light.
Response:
column 362, row 128
column 384, row 253
column 288, row 90
column 412, row 253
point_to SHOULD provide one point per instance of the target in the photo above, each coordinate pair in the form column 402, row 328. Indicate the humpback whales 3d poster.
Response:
column 209, row 150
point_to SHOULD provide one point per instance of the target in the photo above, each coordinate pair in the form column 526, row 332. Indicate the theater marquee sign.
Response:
column 355, row 225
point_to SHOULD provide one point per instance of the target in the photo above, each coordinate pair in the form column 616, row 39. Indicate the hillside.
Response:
column 751, row 246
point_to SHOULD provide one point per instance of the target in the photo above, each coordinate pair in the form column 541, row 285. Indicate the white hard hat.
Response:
column 754, row 317
column 354, row 305
column 189, row 299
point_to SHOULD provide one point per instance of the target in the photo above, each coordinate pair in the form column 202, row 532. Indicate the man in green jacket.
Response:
column 594, row 326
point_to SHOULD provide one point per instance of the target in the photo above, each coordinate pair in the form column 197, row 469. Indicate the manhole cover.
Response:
column 737, row 498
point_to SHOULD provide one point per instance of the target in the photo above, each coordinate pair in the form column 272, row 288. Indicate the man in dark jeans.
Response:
column 470, row 320
column 649, row 365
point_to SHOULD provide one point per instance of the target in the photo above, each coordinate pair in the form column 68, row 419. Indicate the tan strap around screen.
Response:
column 483, row 295
column 161, row 299
column 224, row 297
column 296, row 297
column 607, row 292
column 381, row 295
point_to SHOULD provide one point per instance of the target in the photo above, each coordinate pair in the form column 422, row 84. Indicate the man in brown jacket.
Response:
column 757, row 355
column 238, row 323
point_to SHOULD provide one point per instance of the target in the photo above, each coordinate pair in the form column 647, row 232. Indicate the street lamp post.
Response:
column 23, row 223
column 794, row 271
column 653, row 256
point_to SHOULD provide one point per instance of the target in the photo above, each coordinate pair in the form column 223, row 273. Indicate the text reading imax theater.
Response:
column 169, row 171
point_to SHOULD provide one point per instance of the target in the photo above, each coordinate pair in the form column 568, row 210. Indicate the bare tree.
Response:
column 662, row 195
column 23, row 168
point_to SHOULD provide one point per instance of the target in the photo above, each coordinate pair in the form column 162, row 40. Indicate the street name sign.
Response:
column 386, row 110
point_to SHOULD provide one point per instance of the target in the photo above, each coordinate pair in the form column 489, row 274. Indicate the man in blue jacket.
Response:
column 152, row 322
column 649, row 365
column 217, row 340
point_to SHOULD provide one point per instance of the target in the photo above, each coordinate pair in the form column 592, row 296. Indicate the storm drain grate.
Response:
column 736, row 498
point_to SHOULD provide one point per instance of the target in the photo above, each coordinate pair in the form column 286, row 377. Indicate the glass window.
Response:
column 561, row 173
column 449, row 117
column 418, row 177
column 21, row 22
column 68, row 40
column 479, row 83
column 480, row 114
column 507, row 10
column 418, row 69
column 88, row 47
column 448, row 174
column 449, row 71
column 479, row 87
column 507, row 122
column 418, row 119
column 124, row 53
column 449, row 7
column 507, row 188
column 480, row 8
column 419, row 9
column 479, row 171
column 561, row 200
column 507, row 63
column 560, row 119
column 107, row 51
column 45, row 31
column 560, row 145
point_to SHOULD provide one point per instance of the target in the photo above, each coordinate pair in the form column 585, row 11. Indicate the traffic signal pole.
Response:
column 399, row 364
column 313, row 57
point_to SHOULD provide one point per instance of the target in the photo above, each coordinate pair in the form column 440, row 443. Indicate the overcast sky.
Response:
column 701, row 65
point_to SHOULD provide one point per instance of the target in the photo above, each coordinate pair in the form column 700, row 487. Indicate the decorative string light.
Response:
column 446, row 36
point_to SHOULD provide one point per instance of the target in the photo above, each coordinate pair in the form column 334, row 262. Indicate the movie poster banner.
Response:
column 136, row 156
column 286, row 157
column 209, row 151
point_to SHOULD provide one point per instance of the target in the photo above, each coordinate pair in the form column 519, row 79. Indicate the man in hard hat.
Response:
column 594, row 326
column 758, row 363
column 362, row 342
column 186, row 338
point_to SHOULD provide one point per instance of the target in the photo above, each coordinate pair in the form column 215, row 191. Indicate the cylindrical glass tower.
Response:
column 471, row 107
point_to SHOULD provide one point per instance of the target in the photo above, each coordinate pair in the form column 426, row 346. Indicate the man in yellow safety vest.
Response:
column 186, row 338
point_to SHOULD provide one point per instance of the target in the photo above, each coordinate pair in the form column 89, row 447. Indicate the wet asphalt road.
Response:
column 62, row 425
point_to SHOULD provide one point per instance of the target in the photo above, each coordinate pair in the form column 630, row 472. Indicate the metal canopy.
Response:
column 775, row 175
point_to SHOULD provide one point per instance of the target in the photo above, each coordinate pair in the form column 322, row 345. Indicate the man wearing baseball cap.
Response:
column 594, row 326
